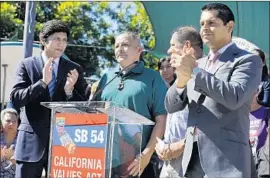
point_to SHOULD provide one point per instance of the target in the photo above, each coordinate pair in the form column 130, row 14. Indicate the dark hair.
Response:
column 188, row 33
column 223, row 11
column 51, row 27
column 261, row 54
column 162, row 60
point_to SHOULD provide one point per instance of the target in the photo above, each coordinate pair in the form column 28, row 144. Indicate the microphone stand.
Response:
column 119, row 74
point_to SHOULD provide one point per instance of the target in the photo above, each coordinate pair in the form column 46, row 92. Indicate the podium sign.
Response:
column 93, row 139
column 79, row 145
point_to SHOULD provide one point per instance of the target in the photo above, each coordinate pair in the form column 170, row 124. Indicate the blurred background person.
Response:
column 176, row 123
column 259, row 117
column 262, row 164
column 263, row 97
column 265, row 75
column 166, row 71
column 9, row 125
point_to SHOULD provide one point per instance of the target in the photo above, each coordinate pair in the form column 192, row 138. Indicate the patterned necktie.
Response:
column 212, row 60
column 53, row 81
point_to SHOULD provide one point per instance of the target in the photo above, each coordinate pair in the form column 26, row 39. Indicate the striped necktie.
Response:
column 53, row 81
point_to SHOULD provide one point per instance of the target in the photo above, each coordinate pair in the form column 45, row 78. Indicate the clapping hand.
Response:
column 71, row 80
column 183, row 65
column 47, row 71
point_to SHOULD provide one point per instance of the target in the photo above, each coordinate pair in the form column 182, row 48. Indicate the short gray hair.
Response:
column 8, row 110
column 132, row 35
column 188, row 33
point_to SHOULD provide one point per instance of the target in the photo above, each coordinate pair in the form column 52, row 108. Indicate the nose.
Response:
column 204, row 27
column 169, row 51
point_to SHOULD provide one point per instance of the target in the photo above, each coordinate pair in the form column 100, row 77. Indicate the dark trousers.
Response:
column 194, row 169
column 31, row 169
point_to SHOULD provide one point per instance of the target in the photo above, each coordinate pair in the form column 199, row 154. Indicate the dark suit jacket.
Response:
column 28, row 92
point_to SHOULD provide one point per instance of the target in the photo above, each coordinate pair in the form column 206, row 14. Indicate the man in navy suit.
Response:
column 47, row 77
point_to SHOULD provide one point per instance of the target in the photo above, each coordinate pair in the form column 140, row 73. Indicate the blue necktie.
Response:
column 53, row 81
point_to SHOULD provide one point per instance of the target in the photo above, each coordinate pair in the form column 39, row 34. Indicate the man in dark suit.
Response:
column 218, row 97
column 47, row 77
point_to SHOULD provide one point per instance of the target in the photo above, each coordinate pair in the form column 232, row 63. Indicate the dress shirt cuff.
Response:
column 69, row 93
column 43, row 84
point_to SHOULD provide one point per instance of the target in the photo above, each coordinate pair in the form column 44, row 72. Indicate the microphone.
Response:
column 120, row 73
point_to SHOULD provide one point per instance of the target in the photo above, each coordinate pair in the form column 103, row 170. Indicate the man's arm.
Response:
column 243, row 82
column 176, row 98
column 24, row 91
column 158, row 131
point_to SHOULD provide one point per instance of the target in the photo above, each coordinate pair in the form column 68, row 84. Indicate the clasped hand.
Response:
column 183, row 65
column 7, row 153
column 170, row 151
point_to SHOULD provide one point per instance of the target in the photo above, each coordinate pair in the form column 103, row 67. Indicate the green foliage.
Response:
column 93, row 26
column 9, row 23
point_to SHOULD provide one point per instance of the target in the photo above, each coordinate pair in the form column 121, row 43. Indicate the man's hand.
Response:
column 47, row 71
column 171, row 151
column 139, row 164
column 183, row 65
column 71, row 80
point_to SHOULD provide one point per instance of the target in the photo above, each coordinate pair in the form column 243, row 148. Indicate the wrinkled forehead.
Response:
column 126, row 38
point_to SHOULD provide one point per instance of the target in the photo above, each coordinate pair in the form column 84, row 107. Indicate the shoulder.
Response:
column 151, row 73
column 243, row 54
column 29, row 60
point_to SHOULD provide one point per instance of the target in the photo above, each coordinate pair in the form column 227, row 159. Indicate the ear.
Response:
column 41, row 39
column 187, row 44
column 140, row 49
column 230, row 26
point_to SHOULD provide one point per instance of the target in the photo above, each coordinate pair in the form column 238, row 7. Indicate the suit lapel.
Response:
column 227, row 55
column 61, row 74
column 39, row 66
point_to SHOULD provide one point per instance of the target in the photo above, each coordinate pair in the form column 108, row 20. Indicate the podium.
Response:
column 93, row 139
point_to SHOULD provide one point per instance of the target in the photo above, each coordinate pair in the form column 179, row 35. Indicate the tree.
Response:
column 9, row 23
column 93, row 26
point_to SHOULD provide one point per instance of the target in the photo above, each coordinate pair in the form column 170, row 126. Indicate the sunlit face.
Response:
column 127, row 50
column 166, row 70
column 175, row 46
column 55, row 44
column 10, row 123
column 213, row 32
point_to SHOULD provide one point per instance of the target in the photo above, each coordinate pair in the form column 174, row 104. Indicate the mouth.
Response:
column 207, row 34
column 59, row 50
column 121, row 56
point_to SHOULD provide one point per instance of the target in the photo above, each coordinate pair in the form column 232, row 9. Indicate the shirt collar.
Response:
column 138, row 68
column 221, row 50
column 45, row 58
